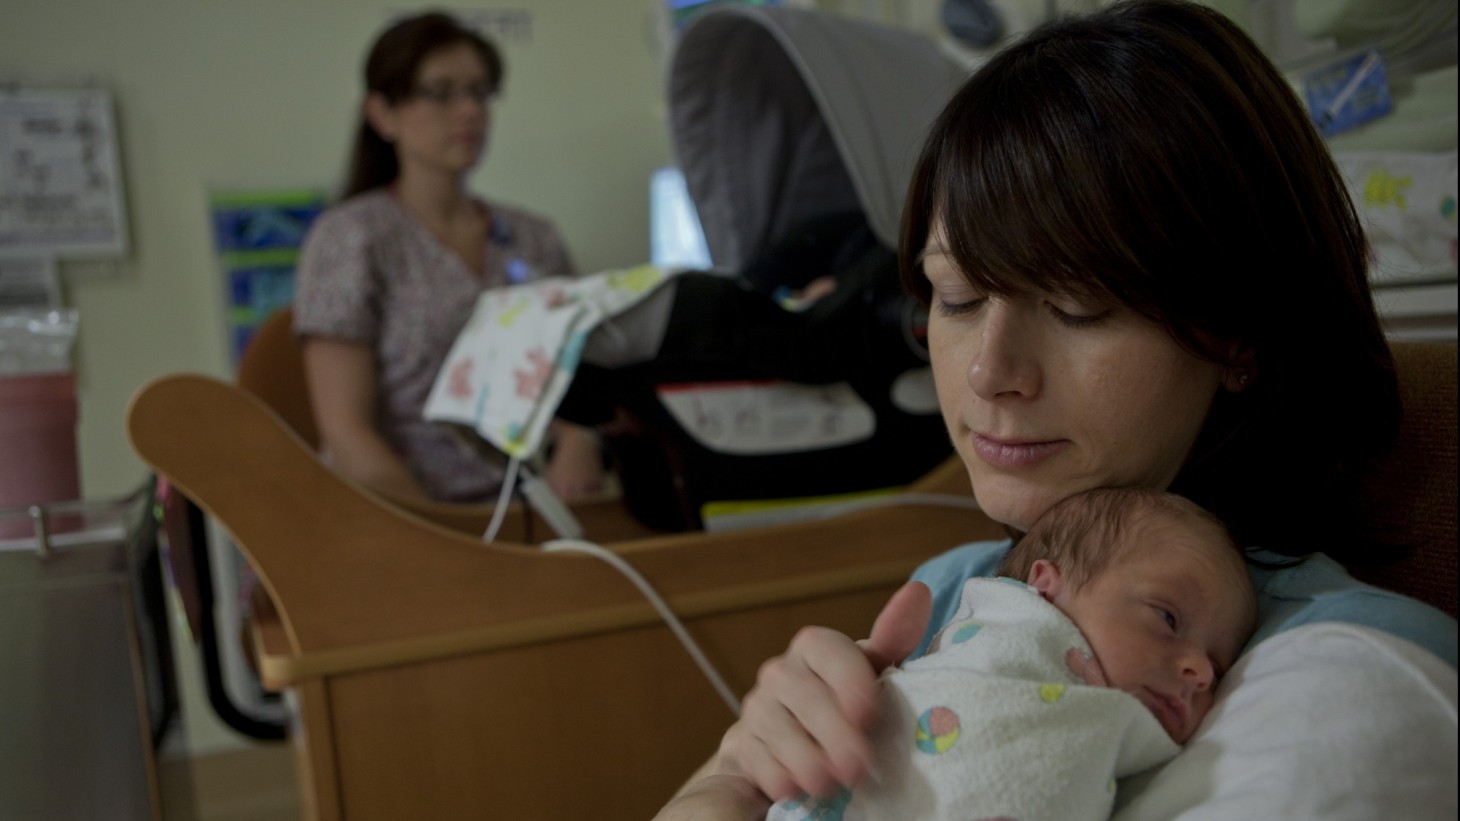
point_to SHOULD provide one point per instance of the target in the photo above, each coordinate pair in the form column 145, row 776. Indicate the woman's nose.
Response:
column 1005, row 362
column 471, row 108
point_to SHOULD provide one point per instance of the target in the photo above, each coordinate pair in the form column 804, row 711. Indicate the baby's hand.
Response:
column 1085, row 667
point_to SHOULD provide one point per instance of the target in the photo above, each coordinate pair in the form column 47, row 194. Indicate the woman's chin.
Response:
column 1013, row 504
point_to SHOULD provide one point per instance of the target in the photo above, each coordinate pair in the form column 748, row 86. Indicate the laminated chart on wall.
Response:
column 60, row 181
column 257, row 235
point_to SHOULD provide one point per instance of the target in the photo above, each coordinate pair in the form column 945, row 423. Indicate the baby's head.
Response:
column 1157, row 587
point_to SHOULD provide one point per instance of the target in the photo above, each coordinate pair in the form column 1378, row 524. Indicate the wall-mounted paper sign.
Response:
column 60, row 182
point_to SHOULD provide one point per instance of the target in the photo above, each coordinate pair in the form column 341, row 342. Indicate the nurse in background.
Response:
column 390, row 275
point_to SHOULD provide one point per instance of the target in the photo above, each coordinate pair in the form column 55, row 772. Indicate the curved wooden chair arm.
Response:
column 356, row 578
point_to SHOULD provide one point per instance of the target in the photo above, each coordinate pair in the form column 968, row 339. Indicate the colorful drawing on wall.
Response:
column 257, row 236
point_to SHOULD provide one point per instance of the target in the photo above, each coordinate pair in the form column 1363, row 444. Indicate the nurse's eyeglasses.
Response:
column 445, row 95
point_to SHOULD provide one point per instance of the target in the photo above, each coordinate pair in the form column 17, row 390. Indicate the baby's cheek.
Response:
column 1201, row 704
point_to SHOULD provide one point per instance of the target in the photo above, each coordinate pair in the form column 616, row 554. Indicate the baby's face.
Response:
column 1167, row 619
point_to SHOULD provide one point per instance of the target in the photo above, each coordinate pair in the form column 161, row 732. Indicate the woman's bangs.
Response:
column 1023, row 209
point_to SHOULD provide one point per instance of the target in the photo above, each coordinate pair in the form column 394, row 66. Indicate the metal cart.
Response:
column 85, row 662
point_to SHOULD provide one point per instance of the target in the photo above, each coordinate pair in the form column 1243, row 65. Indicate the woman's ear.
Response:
column 380, row 114
column 1240, row 375
column 1045, row 578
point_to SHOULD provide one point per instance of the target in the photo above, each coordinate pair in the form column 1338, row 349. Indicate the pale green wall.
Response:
column 238, row 95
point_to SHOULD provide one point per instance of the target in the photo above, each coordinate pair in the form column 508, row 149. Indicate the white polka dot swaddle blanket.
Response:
column 999, row 721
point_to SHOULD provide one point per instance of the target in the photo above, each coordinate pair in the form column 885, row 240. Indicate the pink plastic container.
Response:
column 37, row 446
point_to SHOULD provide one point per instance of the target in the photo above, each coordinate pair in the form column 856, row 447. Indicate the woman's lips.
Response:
column 1014, row 454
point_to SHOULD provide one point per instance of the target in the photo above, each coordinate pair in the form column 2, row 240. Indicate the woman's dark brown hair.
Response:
column 390, row 70
column 1151, row 154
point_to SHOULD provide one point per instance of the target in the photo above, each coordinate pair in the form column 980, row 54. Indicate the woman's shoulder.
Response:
column 364, row 215
column 344, row 240
column 945, row 574
column 1318, row 589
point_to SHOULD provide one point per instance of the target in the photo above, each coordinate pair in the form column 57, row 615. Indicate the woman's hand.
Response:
column 575, row 471
column 803, row 727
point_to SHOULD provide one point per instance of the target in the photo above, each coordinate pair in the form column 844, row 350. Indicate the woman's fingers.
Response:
column 804, row 725
column 781, row 765
column 838, row 704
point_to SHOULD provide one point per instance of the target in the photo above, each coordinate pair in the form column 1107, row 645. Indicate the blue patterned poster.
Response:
column 257, row 236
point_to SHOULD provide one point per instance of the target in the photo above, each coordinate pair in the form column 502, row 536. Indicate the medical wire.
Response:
column 672, row 621
column 508, row 482
column 675, row 626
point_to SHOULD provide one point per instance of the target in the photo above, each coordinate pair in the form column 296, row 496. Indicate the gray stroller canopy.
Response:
column 781, row 115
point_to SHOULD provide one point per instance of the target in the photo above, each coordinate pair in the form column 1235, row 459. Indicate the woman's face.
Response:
column 442, row 124
column 1046, row 395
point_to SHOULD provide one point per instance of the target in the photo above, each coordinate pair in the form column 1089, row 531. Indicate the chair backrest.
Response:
column 272, row 368
column 1410, row 494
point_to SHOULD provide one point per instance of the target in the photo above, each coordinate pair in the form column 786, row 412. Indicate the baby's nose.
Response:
column 1197, row 670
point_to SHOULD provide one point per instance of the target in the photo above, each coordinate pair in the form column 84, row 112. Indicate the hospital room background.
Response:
column 214, row 103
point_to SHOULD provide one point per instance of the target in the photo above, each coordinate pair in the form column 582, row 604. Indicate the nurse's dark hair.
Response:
column 390, row 70
column 1151, row 155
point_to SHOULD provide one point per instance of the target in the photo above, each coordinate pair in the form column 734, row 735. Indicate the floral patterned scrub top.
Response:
column 371, row 273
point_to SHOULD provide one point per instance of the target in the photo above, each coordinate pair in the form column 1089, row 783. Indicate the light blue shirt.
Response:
column 1317, row 589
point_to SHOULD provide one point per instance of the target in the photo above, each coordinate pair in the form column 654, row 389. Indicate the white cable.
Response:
column 618, row 563
column 503, row 498
column 542, row 499
column 716, row 681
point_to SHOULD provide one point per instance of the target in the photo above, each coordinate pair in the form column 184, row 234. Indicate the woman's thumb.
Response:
column 900, row 626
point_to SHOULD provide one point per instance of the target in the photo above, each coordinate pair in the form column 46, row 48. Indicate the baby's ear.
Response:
column 1046, row 578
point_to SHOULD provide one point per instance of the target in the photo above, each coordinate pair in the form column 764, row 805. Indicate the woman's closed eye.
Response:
column 1077, row 319
column 1076, row 312
column 959, row 306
